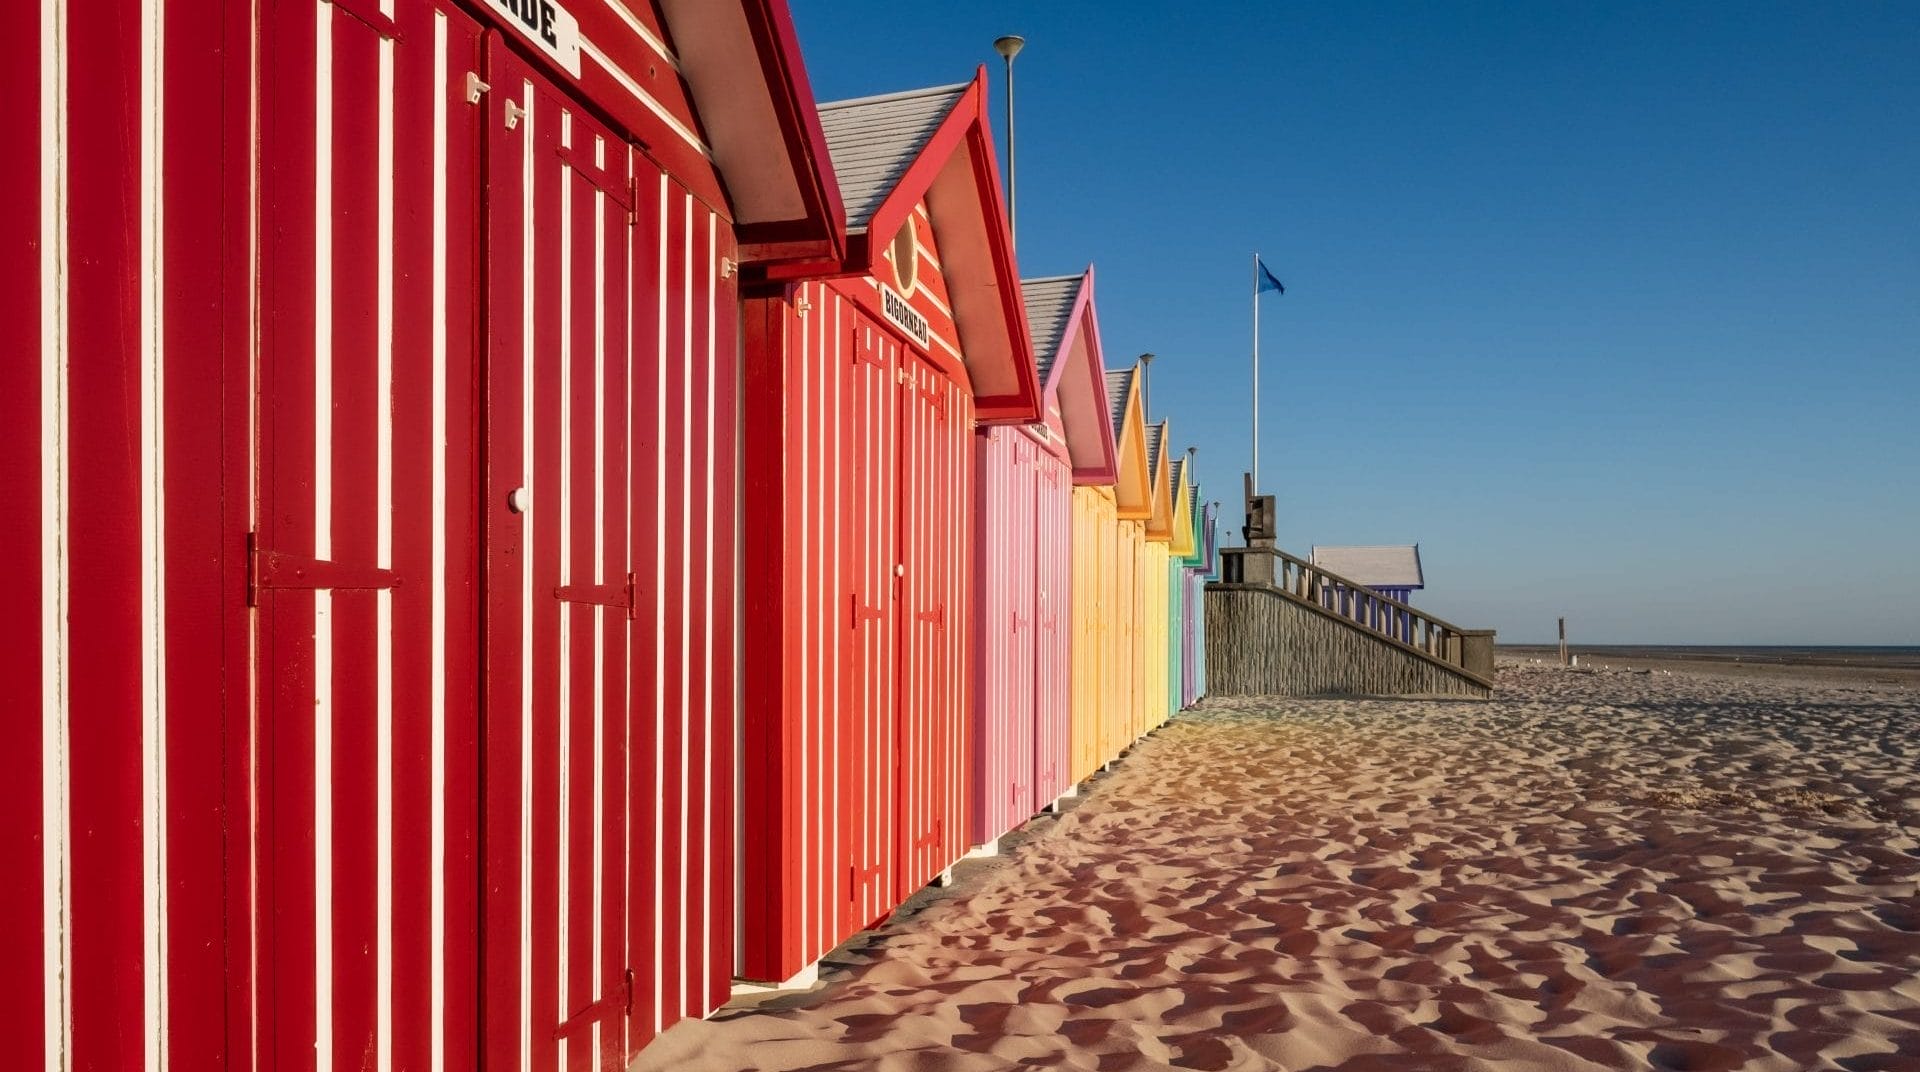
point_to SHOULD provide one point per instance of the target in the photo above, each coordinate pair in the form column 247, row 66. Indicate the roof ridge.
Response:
column 1052, row 278
column 904, row 94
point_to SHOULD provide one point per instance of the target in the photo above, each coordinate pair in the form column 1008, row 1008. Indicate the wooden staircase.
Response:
column 1281, row 626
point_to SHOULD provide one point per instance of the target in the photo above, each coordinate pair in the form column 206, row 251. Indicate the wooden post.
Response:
column 1563, row 642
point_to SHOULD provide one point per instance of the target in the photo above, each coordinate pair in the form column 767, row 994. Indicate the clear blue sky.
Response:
column 1614, row 309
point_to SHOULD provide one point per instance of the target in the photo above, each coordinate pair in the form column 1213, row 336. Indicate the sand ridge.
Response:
column 1591, row 871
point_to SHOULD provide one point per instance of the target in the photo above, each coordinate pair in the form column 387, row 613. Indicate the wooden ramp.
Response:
column 1280, row 626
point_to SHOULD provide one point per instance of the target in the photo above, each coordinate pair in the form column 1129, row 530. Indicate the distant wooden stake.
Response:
column 1563, row 642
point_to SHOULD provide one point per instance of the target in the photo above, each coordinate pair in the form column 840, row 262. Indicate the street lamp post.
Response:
column 1146, row 409
column 1009, row 46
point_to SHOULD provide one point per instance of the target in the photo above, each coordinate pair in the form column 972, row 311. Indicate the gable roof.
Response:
column 1210, row 553
column 1050, row 304
column 1132, row 479
column 1160, row 524
column 873, row 140
column 893, row 152
column 1073, row 376
column 765, row 139
column 1392, row 566
column 1180, row 530
column 1119, row 389
column 1197, row 517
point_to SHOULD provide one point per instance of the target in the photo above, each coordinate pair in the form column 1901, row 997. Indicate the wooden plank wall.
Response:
column 124, row 401
column 1005, row 624
column 1053, row 670
column 1260, row 643
column 245, row 809
column 857, row 554
column 1156, row 630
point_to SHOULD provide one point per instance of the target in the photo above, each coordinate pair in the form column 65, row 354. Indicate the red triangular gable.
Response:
column 894, row 152
column 1073, row 375
column 765, row 146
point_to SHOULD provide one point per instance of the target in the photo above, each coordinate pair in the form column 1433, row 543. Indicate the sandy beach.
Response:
column 1594, row 871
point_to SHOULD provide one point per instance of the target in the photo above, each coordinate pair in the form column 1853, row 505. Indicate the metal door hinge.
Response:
column 859, row 612
column 802, row 305
column 600, row 595
column 727, row 267
column 619, row 1003
column 514, row 112
column 475, row 87
column 857, row 877
column 272, row 569
column 370, row 16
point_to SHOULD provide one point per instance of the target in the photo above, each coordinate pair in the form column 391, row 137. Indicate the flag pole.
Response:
column 1256, row 373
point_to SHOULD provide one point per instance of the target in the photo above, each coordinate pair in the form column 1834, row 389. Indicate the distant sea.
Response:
column 1777, row 654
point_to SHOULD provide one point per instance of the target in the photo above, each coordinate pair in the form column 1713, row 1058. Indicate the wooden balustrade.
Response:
column 1372, row 611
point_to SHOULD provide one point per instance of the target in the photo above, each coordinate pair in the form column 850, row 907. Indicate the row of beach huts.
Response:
column 524, row 519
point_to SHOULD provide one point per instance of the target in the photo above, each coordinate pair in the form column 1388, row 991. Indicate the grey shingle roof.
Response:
column 1153, row 447
column 1376, row 567
column 1049, row 304
column 1119, row 382
column 1173, row 474
column 872, row 140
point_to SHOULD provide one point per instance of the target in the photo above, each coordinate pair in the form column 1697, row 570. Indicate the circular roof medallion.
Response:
column 905, row 254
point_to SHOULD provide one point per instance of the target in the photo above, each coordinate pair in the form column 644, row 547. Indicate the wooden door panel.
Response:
column 561, row 578
column 362, row 560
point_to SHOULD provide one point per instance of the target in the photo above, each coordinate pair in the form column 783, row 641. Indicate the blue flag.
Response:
column 1268, row 281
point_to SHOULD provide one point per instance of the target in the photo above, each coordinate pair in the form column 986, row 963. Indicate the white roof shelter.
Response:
column 1396, row 566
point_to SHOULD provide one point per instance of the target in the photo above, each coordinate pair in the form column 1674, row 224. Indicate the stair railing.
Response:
column 1389, row 618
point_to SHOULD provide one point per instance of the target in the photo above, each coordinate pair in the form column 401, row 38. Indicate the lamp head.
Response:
column 1146, row 359
column 1009, row 46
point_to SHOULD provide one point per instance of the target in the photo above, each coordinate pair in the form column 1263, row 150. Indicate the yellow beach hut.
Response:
column 1151, row 587
column 1109, row 531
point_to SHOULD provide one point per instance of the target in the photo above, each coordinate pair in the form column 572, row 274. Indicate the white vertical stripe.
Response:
column 153, row 651
column 599, row 572
column 383, row 552
column 254, row 469
column 527, row 481
column 323, row 537
column 627, row 497
column 662, row 287
column 437, row 586
column 56, row 881
column 836, row 448
column 804, row 372
column 706, row 591
column 563, row 684
column 735, row 656
column 685, row 486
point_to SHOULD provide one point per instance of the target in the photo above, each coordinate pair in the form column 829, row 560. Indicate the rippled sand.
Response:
column 1594, row 871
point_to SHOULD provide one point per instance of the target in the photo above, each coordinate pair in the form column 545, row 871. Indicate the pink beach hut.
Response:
column 1023, row 720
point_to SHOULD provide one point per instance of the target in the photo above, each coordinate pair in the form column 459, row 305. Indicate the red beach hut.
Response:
column 371, row 377
column 1023, row 579
column 860, row 404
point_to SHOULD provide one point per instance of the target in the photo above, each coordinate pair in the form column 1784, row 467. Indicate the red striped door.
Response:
column 362, row 560
column 1053, row 659
column 1014, row 764
column 561, row 580
column 934, row 520
column 869, row 554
